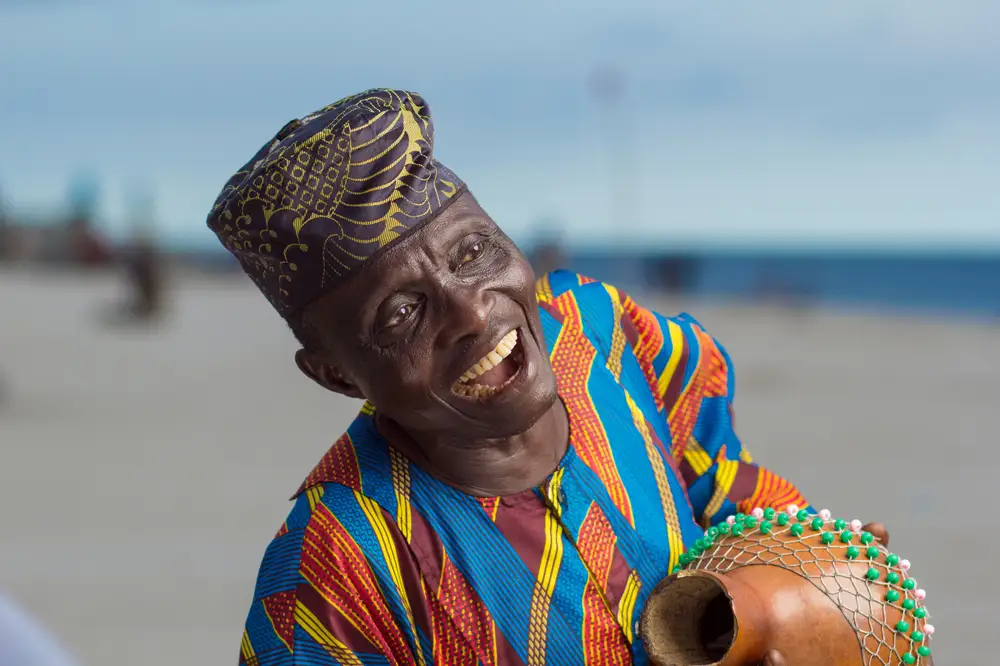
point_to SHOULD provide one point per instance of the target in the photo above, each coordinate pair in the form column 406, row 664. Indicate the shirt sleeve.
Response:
column 319, row 603
column 691, row 377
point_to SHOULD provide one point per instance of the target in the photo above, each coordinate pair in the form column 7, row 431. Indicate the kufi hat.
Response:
column 330, row 191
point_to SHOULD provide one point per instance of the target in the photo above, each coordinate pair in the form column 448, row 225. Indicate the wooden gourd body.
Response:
column 818, row 590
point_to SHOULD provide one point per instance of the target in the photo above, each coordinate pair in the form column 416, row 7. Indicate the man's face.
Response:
column 441, row 332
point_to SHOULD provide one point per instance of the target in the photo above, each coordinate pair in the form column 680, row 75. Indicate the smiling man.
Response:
column 530, row 460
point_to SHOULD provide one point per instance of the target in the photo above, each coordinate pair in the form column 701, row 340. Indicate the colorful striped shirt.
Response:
column 381, row 563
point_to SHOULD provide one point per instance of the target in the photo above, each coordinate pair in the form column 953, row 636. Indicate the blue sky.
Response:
column 847, row 122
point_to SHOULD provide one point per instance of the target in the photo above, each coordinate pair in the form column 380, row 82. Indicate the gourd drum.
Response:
column 819, row 590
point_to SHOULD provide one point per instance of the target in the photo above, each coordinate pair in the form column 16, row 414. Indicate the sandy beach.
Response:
column 142, row 473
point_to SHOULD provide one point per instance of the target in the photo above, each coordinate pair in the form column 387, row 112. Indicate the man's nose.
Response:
column 467, row 313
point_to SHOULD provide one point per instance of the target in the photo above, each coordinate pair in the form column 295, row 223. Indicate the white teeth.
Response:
column 486, row 363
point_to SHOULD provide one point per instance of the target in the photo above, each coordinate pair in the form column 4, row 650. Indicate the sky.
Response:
column 855, row 123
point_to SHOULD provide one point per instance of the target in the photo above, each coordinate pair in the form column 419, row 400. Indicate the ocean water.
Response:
column 962, row 284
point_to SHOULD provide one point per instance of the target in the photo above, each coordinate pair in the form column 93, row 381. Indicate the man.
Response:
column 529, row 462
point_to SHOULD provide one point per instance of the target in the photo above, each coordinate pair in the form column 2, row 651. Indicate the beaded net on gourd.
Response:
column 861, row 577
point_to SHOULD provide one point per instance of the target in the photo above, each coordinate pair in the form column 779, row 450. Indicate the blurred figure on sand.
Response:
column 87, row 248
column 23, row 642
column 143, row 271
column 4, row 231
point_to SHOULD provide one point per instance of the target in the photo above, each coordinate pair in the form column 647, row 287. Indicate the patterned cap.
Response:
column 330, row 191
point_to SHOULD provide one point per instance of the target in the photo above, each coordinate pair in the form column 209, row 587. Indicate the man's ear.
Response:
column 327, row 375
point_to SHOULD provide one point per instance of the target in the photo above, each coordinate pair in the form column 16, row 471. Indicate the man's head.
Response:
column 399, row 287
column 440, row 332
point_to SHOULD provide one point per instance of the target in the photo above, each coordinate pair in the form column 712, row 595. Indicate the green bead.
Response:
column 783, row 519
column 769, row 513
column 852, row 553
column 796, row 529
column 920, row 613
column 685, row 558
column 917, row 636
column 817, row 523
column 707, row 541
column 909, row 584
column 740, row 516
column 677, row 569
column 839, row 524
column 908, row 604
column 749, row 522
column 713, row 532
column 736, row 530
column 696, row 551
column 924, row 651
column 802, row 515
column 699, row 544
column 892, row 596
column 846, row 536
column 827, row 537
column 892, row 559
column 872, row 552
column 867, row 538
column 892, row 577
column 909, row 659
column 766, row 527
column 724, row 529
column 902, row 625
column 872, row 574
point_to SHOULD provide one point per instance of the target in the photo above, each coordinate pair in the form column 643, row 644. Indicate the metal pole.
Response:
column 607, row 85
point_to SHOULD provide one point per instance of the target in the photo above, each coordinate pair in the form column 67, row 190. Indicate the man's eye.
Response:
column 473, row 253
column 401, row 315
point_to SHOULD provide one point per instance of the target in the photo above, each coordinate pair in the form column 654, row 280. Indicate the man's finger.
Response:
column 773, row 658
column 879, row 531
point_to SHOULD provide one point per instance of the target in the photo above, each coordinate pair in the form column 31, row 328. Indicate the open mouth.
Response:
column 493, row 372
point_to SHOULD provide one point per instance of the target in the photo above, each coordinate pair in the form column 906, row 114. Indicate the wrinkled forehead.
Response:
column 416, row 256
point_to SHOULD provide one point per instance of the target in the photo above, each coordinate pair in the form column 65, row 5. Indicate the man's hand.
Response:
column 879, row 531
column 775, row 658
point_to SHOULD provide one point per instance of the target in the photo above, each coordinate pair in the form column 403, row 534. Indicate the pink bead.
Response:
column 792, row 509
column 757, row 513
column 855, row 525
column 904, row 565
column 920, row 595
column 929, row 629
column 825, row 514
column 730, row 520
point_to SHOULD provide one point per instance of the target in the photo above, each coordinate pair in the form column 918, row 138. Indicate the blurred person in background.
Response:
column 5, row 251
column 530, row 459
column 144, row 281
column 23, row 642
column 86, row 247
column 144, row 273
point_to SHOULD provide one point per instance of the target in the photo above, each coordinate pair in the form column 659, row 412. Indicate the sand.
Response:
column 142, row 472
